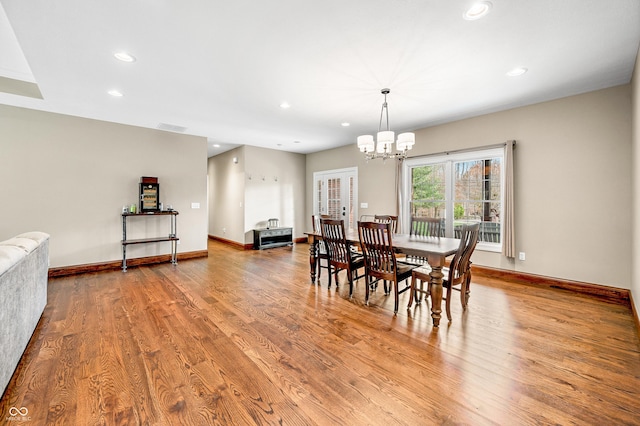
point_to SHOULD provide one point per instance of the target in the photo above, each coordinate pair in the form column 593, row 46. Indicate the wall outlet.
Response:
column 521, row 256
column 364, row 205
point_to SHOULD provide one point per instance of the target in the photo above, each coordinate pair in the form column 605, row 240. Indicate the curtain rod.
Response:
column 455, row 151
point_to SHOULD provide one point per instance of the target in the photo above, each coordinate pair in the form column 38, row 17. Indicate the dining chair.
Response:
column 367, row 218
column 425, row 226
column 421, row 226
column 322, row 248
column 341, row 257
column 458, row 273
column 380, row 261
column 385, row 218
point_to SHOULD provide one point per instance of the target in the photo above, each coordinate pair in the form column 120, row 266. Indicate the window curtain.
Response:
column 399, row 203
column 509, row 240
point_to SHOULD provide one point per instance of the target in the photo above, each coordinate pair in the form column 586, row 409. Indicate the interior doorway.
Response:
column 335, row 193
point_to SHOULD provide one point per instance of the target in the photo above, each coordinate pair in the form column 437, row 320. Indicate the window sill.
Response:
column 495, row 248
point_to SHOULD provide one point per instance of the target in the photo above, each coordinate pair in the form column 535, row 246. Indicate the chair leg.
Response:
column 467, row 292
column 418, row 294
column 448, row 301
column 413, row 294
column 366, row 292
column 395, row 298
column 350, row 275
column 463, row 295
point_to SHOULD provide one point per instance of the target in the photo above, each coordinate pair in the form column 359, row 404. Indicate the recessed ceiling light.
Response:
column 345, row 124
column 517, row 72
column 216, row 145
column 124, row 57
column 285, row 105
column 116, row 93
column 477, row 11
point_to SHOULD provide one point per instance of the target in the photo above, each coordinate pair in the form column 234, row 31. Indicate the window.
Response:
column 459, row 188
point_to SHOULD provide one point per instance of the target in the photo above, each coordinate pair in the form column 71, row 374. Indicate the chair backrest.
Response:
column 377, row 248
column 315, row 222
column 273, row 222
column 460, row 263
column 385, row 218
column 367, row 218
column 336, row 242
column 425, row 226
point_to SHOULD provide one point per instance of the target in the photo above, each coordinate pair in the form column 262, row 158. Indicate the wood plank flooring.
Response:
column 242, row 338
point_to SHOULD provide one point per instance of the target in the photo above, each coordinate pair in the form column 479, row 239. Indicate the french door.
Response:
column 335, row 193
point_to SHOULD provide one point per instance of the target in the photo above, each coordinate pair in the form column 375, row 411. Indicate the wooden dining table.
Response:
column 434, row 249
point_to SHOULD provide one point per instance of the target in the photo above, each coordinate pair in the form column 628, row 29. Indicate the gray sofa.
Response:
column 24, row 264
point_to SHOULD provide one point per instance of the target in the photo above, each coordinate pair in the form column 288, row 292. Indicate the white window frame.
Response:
column 448, row 159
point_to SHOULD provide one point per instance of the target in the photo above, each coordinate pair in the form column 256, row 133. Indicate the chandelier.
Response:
column 385, row 139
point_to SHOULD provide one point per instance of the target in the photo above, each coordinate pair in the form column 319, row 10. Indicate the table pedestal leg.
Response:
column 313, row 251
column 435, row 284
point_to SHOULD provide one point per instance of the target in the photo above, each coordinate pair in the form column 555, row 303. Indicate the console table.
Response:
column 172, row 237
column 272, row 237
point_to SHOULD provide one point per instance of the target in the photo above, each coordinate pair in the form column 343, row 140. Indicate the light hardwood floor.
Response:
column 242, row 337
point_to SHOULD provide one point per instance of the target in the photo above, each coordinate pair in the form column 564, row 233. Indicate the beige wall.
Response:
column 226, row 195
column 263, row 184
column 375, row 178
column 635, row 259
column 70, row 177
column 573, row 182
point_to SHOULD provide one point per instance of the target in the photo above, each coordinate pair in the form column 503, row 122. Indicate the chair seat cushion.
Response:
column 357, row 260
column 422, row 272
column 404, row 271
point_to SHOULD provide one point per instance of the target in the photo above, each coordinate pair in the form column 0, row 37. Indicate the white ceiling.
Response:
column 220, row 69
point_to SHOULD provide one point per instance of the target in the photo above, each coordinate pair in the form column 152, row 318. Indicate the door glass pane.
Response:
column 350, row 219
column 335, row 195
column 334, row 198
column 319, row 196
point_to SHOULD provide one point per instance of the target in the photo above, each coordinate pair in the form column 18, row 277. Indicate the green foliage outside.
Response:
column 426, row 186
column 458, row 211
